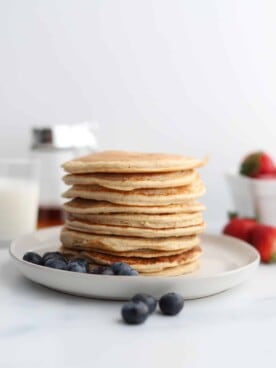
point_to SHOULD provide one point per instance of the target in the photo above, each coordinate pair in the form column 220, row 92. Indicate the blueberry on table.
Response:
column 121, row 268
column 77, row 266
column 52, row 255
column 149, row 300
column 135, row 313
column 56, row 263
column 32, row 257
column 171, row 304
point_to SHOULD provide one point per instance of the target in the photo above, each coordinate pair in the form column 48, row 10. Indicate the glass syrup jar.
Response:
column 52, row 146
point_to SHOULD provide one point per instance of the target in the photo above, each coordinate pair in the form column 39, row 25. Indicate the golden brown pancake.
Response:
column 141, row 220
column 138, row 197
column 134, row 231
column 170, row 271
column 81, row 240
column 154, row 264
column 90, row 206
column 144, row 253
column 130, row 181
column 133, row 162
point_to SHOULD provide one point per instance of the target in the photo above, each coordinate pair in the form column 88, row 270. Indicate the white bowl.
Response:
column 254, row 197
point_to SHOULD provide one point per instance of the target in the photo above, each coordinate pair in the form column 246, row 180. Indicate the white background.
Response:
column 194, row 77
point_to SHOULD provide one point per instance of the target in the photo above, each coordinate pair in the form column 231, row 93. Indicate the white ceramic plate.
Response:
column 225, row 263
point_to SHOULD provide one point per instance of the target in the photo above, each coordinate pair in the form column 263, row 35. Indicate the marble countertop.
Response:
column 43, row 328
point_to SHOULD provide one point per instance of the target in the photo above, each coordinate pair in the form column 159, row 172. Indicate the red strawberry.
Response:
column 240, row 228
column 257, row 163
column 263, row 238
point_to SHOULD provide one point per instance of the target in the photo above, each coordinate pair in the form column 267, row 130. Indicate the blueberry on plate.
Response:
column 121, row 268
column 149, row 300
column 52, row 255
column 135, row 313
column 78, row 265
column 107, row 271
column 82, row 262
column 171, row 304
column 32, row 257
column 102, row 270
column 59, row 264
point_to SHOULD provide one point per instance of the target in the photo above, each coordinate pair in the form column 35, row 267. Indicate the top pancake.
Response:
column 131, row 162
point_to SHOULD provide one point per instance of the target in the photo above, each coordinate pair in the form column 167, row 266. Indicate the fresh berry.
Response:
column 52, row 255
column 82, row 262
column 120, row 268
column 240, row 228
column 171, row 304
column 133, row 273
column 107, row 271
column 135, row 313
column 56, row 263
column 257, row 163
column 102, row 270
column 32, row 257
column 263, row 238
column 149, row 300
column 77, row 266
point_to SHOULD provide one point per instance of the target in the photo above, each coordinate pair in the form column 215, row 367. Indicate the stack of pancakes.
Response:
column 136, row 208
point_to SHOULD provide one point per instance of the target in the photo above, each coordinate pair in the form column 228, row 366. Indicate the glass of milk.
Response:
column 19, row 192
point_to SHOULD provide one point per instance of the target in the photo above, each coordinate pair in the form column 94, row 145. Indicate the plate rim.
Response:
column 188, row 277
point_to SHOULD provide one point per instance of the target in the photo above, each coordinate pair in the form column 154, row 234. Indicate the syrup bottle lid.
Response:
column 63, row 137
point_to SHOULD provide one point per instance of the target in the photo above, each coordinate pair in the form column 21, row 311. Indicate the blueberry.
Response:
column 107, row 271
column 81, row 262
column 32, row 257
column 102, row 270
column 149, row 300
column 76, row 267
column 96, row 270
column 135, row 313
column 120, row 268
column 133, row 273
column 171, row 304
column 56, row 263
column 52, row 255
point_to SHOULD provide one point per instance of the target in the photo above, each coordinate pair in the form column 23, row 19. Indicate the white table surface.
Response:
column 43, row 328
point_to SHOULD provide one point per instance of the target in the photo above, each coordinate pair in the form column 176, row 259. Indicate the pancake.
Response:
column 133, row 231
column 89, row 206
column 128, row 182
column 154, row 264
column 170, row 271
column 141, row 220
column 139, row 197
column 81, row 240
column 131, row 162
column 144, row 253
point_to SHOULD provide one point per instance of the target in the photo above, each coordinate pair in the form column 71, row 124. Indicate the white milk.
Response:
column 18, row 207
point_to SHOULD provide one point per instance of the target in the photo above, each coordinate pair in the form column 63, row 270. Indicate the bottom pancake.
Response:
column 142, row 265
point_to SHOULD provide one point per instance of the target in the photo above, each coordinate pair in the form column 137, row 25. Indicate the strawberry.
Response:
column 263, row 238
column 240, row 228
column 257, row 163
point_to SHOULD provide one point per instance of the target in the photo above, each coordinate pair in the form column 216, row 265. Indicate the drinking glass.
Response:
column 19, row 192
